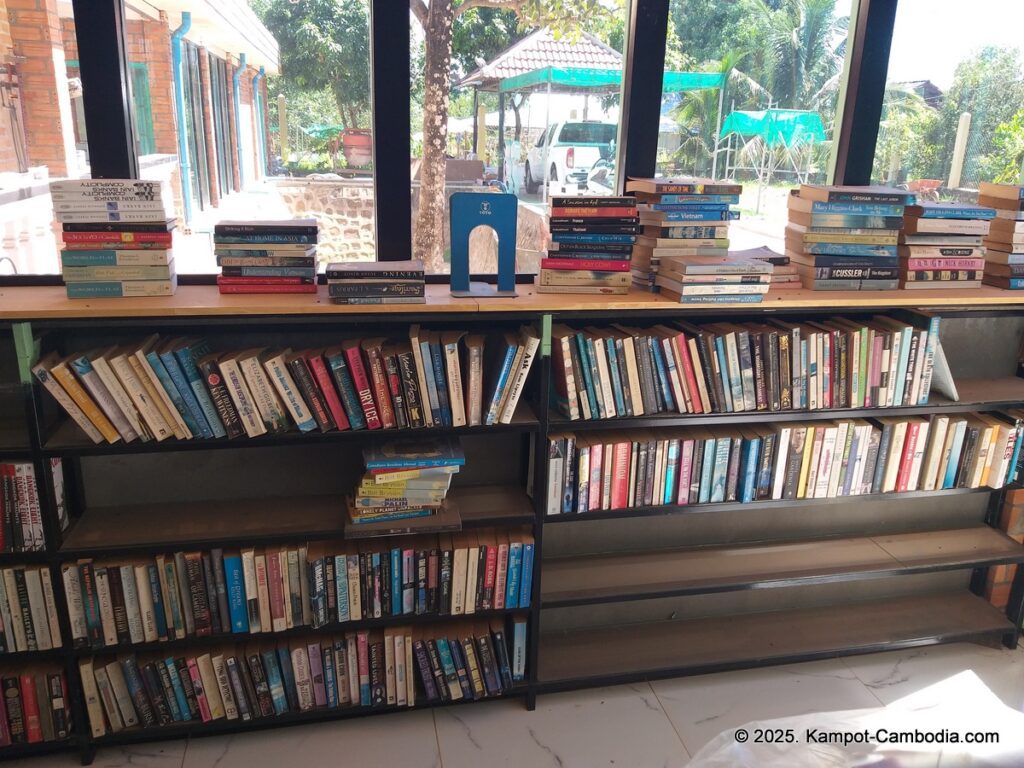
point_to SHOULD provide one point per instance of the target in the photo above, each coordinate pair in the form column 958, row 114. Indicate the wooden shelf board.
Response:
column 241, row 522
column 604, row 578
column 636, row 651
column 51, row 303
column 975, row 394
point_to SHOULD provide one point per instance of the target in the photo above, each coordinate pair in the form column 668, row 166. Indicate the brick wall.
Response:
column 8, row 157
column 1011, row 521
column 154, row 40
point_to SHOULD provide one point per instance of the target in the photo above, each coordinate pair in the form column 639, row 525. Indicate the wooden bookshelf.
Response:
column 589, row 579
column 609, row 655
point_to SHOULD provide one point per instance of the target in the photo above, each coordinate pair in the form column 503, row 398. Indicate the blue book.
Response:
column 515, row 563
column 306, row 272
column 444, row 653
column 346, row 388
column 595, row 377
column 1015, row 283
column 706, row 468
column 671, row 470
column 184, row 388
column 858, row 209
column 441, row 382
column 159, row 615
column 585, row 368
column 748, row 469
column 330, row 677
column 850, row 464
column 954, row 455
column 1011, row 472
column 237, row 605
column 116, row 289
column 929, row 357
column 518, row 650
column 720, row 472
column 883, row 451
column 953, row 211
column 854, row 221
column 431, row 396
column 613, row 366
column 133, row 682
column 864, row 250
column 753, row 298
column 264, row 237
column 103, row 258
column 274, row 682
column 901, row 371
column 678, row 215
column 526, row 576
column 686, row 199
column 291, row 693
column 187, row 355
column 341, row 587
column 662, row 372
column 565, row 237
column 404, row 514
column 172, row 391
column 723, row 368
column 688, row 206
column 396, row 582
column 179, row 691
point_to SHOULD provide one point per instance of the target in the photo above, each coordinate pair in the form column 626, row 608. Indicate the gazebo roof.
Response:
column 539, row 50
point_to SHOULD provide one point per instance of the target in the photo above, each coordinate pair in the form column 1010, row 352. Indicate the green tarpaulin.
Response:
column 785, row 127
column 562, row 78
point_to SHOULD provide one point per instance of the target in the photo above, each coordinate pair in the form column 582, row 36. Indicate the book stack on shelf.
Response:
column 264, row 590
column 176, row 387
column 844, row 238
column 266, row 256
column 405, row 479
column 1004, row 245
column 117, row 237
column 376, row 282
column 685, row 223
column 941, row 245
column 732, row 367
column 784, row 273
column 395, row 667
column 793, row 460
column 21, row 517
column 28, row 610
column 34, row 705
column 591, row 245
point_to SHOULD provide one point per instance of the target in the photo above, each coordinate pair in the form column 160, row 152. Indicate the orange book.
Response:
column 81, row 398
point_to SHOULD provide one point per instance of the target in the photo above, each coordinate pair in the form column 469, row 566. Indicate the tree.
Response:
column 324, row 44
column 1004, row 165
column 437, row 19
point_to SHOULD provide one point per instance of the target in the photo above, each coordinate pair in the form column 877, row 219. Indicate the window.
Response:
column 532, row 110
column 953, row 112
column 750, row 94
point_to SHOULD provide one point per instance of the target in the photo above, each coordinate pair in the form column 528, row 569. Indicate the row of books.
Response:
column 941, row 245
column 21, row 517
column 373, row 282
column 28, row 611
column 778, row 365
column 813, row 460
column 273, row 589
column 177, row 387
column 266, row 256
column 1004, row 243
column 404, row 479
column 34, row 705
column 591, row 244
column 117, row 236
column 392, row 668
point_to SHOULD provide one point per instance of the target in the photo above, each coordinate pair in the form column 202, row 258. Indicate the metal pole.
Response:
column 184, row 165
column 282, row 128
column 547, row 145
column 718, row 128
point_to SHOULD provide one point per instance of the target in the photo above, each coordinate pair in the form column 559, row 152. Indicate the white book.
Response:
column 555, row 481
column 855, row 467
column 390, row 675
column 42, row 373
column 283, row 382
column 243, row 399
column 145, row 595
column 210, row 686
column 837, row 460
column 181, row 430
column 456, row 393
column 303, row 679
column 417, row 356
column 125, row 705
column 269, row 405
column 933, row 455
column 220, row 669
column 410, row 676
column 252, row 600
column 955, row 425
column 401, row 684
column 266, row 621
column 140, row 396
column 102, row 578
column 475, row 380
column 33, row 512
column 132, row 608
column 73, row 593
column 632, row 377
column 913, row 480
column 920, row 373
column 37, row 607
column 355, row 601
column 105, row 371
column 981, row 460
column 106, row 695
column 93, row 706
column 472, row 566
column 353, row 667
column 785, row 432
column 604, row 379
column 5, row 619
column 17, row 621
column 894, row 456
column 94, row 385
column 459, row 558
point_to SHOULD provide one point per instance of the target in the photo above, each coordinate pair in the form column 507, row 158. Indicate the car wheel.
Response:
column 531, row 185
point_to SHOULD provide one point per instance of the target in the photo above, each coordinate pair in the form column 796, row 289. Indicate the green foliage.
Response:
column 900, row 155
column 483, row 33
column 1003, row 164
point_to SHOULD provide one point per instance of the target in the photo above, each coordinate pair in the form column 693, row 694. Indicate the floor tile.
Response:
column 620, row 726
column 161, row 754
column 406, row 739
column 701, row 707
column 895, row 674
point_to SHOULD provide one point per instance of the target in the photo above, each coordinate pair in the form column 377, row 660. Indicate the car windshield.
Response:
column 587, row 133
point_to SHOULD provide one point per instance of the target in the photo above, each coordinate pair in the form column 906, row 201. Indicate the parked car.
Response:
column 566, row 150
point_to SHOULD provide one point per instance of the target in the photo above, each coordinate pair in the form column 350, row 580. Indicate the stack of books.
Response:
column 784, row 274
column 714, row 279
column 117, row 237
column 266, row 256
column 591, row 245
column 680, row 218
column 1004, row 245
column 376, row 282
column 844, row 238
column 405, row 478
column 941, row 245
column 34, row 705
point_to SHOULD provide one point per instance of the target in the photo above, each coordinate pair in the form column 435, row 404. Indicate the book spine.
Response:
column 362, row 386
column 381, row 390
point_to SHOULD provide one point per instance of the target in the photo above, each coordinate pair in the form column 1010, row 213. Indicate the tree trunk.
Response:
column 429, row 234
column 516, row 106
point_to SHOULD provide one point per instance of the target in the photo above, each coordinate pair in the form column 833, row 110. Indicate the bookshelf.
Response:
column 766, row 582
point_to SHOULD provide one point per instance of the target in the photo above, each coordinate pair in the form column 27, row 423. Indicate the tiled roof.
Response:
column 541, row 49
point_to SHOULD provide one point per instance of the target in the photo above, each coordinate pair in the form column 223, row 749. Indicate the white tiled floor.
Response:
column 628, row 726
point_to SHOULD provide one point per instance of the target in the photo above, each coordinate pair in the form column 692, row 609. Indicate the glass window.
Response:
column 750, row 94
column 953, row 113
column 526, row 104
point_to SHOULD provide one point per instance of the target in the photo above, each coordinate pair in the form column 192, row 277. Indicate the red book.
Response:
column 620, row 475
column 323, row 379
column 490, row 575
column 379, row 380
column 363, row 661
column 115, row 239
column 605, row 265
column 596, row 463
column 683, row 354
column 5, row 729
column 200, row 692
column 30, row 709
column 240, row 280
column 276, row 588
column 266, row 289
column 361, row 382
column 593, row 213
column 907, row 460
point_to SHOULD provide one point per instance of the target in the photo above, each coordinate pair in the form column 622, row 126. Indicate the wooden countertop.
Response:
column 51, row 303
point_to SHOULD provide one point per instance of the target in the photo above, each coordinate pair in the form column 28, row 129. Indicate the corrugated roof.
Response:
column 540, row 49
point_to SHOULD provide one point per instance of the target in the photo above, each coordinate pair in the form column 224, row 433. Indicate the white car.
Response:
column 566, row 151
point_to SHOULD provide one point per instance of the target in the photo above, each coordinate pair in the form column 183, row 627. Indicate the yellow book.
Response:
column 82, row 399
column 154, row 397
column 210, row 686
column 805, row 462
